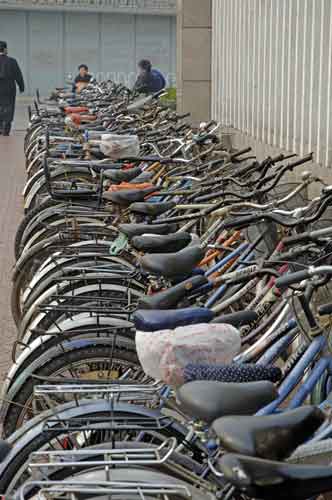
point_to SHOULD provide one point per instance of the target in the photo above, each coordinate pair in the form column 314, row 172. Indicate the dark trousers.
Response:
column 7, row 110
column 5, row 128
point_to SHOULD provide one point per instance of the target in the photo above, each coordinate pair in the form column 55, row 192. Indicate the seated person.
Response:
column 82, row 80
column 149, row 81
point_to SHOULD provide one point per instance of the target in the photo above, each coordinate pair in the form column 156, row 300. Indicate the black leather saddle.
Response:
column 170, row 298
column 152, row 209
column 273, row 437
column 132, row 230
column 209, row 400
column 270, row 480
column 128, row 196
column 123, row 175
column 172, row 265
column 167, row 244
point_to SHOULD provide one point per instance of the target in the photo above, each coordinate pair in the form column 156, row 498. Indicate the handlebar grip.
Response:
column 292, row 278
column 242, row 222
column 290, row 155
column 183, row 116
column 210, row 124
column 241, row 152
column 205, row 137
column 325, row 309
column 300, row 161
column 277, row 158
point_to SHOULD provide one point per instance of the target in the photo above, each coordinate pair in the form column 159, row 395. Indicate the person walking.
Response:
column 10, row 75
column 149, row 81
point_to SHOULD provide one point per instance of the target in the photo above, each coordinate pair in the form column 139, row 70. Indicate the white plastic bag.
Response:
column 119, row 146
column 164, row 354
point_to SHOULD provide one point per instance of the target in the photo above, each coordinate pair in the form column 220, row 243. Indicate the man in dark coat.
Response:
column 10, row 75
column 149, row 80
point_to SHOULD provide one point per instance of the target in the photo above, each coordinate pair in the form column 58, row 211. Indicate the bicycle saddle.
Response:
column 171, row 265
column 169, row 299
column 156, row 244
column 128, row 196
column 271, row 480
column 151, row 321
column 122, row 175
column 273, row 437
column 132, row 230
column 209, row 400
column 152, row 209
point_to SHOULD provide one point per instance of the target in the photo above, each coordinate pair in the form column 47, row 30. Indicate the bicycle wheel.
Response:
column 32, row 436
column 106, row 360
column 29, row 217
column 152, row 476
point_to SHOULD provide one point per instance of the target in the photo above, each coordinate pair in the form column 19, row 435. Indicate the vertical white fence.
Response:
column 272, row 71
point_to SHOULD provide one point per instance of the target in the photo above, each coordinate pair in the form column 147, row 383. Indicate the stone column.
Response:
column 194, row 58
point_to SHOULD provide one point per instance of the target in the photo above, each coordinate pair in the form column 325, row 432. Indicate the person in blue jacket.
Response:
column 149, row 80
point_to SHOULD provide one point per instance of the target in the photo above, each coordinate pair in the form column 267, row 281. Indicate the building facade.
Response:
column 194, row 57
column 271, row 73
column 50, row 38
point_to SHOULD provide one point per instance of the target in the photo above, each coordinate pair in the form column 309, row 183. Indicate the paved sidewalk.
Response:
column 12, row 179
column 21, row 115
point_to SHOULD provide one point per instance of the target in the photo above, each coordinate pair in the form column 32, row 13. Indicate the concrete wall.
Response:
column 49, row 44
column 194, row 58
column 272, row 75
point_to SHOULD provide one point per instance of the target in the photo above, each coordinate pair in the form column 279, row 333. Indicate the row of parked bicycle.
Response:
column 173, row 308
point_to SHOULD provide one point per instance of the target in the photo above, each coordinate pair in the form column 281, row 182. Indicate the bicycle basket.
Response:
column 301, row 199
column 272, row 230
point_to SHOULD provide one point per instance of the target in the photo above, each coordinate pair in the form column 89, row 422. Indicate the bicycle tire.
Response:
column 30, row 437
column 26, row 221
column 54, row 367
column 32, row 356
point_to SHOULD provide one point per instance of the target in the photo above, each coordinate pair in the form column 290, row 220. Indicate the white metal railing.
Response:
column 165, row 7
column 272, row 72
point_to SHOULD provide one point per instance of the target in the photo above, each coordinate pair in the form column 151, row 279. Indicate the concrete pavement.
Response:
column 12, row 179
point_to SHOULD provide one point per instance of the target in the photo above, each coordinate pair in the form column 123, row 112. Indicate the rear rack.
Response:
column 112, row 423
column 103, row 310
column 74, row 490
column 118, row 392
column 45, row 460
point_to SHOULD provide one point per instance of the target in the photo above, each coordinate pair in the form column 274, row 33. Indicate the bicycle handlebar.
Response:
column 240, row 153
column 246, row 220
column 297, row 277
column 243, row 222
column 292, row 278
column 307, row 236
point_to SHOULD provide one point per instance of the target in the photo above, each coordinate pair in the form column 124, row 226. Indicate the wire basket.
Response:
column 273, row 232
column 301, row 199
